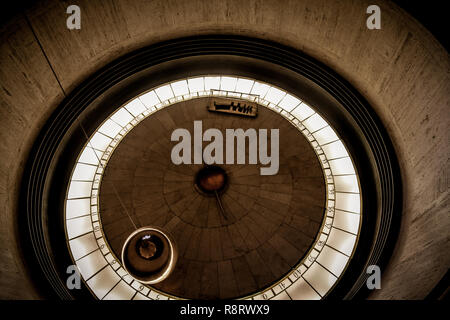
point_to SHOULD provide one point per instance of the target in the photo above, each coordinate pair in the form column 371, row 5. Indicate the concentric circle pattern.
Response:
column 297, row 229
column 270, row 221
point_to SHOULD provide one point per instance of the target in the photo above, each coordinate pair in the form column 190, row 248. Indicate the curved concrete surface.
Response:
column 401, row 70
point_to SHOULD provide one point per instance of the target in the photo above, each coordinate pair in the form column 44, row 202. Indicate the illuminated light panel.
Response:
column 342, row 166
column 341, row 241
column 325, row 135
column 110, row 128
column 244, row 85
column 180, row 88
column 228, row 83
column 103, row 282
column 77, row 207
column 122, row 117
column 90, row 156
column 149, row 99
column 346, row 221
column 78, row 226
column 289, row 102
column 320, row 278
column 333, row 260
column 314, row 123
column 301, row 290
column 122, row 291
column 313, row 277
column 348, row 202
column 92, row 263
column 99, row 141
column 84, row 172
column 135, row 107
column 335, row 150
column 347, row 183
column 260, row 89
column 274, row 95
column 212, row 83
column 164, row 92
column 79, row 189
column 83, row 245
column 302, row 112
column 196, row 84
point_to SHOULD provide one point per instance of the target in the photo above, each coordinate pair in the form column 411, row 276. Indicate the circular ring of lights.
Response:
column 316, row 273
column 49, row 154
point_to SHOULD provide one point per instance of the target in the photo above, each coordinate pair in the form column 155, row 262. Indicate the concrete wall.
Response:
column 401, row 70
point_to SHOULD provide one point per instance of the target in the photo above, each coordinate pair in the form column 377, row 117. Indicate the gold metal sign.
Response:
column 233, row 106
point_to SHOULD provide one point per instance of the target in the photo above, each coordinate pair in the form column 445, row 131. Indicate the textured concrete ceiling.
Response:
column 401, row 70
column 270, row 223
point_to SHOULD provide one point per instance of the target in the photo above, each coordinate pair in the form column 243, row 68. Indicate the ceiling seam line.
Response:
column 45, row 55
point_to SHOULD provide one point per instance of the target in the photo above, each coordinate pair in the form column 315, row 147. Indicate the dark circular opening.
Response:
column 211, row 179
column 149, row 247
column 146, row 254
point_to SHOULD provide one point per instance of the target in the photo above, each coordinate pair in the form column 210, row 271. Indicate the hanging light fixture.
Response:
column 149, row 255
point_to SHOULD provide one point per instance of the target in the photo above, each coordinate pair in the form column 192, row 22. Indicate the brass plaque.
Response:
column 234, row 106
